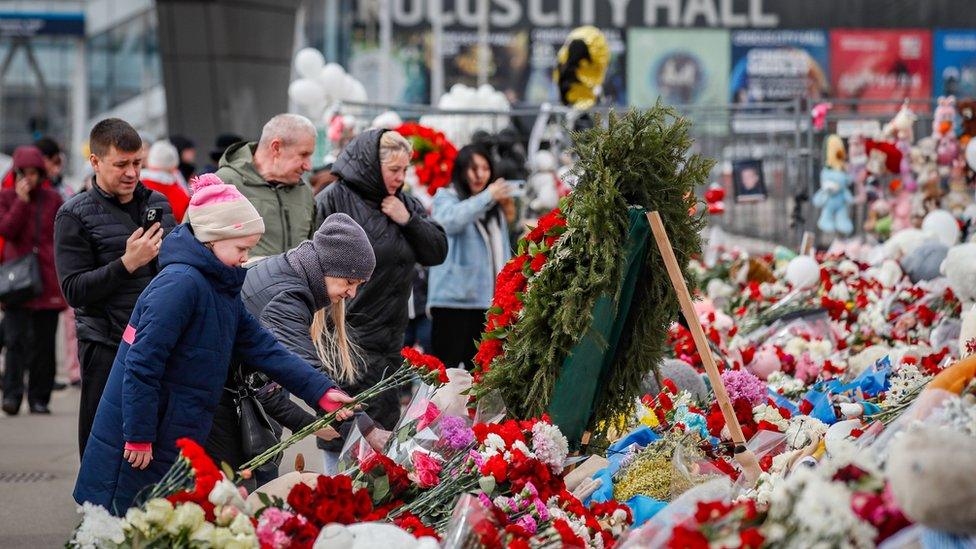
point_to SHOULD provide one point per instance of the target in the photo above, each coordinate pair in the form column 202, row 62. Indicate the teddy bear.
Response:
column 959, row 196
column 959, row 267
column 944, row 117
column 834, row 198
column 543, row 184
column 967, row 114
column 370, row 535
column 902, row 125
column 933, row 479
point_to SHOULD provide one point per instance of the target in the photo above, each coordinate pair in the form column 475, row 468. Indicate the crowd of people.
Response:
column 197, row 302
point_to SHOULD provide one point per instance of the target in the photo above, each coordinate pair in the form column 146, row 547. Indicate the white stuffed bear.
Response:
column 543, row 183
column 960, row 268
column 933, row 478
column 370, row 535
column 903, row 243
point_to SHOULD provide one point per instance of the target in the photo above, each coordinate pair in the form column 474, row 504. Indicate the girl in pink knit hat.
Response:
column 173, row 361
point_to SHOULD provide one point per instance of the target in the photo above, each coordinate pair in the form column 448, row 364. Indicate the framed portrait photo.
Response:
column 748, row 181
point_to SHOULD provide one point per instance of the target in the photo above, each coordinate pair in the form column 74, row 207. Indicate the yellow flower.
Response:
column 650, row 419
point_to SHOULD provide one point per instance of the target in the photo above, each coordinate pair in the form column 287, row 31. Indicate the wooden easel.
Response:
column 747, row 460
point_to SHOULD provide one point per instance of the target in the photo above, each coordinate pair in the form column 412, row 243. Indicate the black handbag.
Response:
column 257, row 433
column 20, row 279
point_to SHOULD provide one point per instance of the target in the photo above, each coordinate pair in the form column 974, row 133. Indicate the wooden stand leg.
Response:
column 748, row 461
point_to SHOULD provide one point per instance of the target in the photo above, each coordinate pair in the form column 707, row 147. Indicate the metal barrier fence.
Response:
column 780, row 136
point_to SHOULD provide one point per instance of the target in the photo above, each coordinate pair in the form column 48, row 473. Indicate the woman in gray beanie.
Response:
column 300, row 297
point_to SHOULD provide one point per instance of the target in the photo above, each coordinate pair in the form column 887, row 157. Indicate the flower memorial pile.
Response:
column 512, row 470
column 841, row 372
column 433, row 155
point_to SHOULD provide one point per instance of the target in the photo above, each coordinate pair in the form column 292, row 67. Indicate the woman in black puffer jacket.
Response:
column 299, row 296
column 371, row 171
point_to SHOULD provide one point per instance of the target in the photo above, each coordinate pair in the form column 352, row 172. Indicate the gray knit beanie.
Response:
column 343, row 248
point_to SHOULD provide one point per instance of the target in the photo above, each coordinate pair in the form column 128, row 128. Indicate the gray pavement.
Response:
column 38, row 466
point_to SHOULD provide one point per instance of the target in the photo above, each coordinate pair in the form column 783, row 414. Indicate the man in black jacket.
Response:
column 371, row 170
column 104, row 257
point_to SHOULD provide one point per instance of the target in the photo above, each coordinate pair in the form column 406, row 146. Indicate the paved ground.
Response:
column 38, row 466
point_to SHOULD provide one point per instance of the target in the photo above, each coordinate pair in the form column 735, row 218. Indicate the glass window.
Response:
column 36, row 90
column 123, row 62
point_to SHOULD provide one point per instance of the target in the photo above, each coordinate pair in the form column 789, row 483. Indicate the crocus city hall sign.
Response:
column 567, row 13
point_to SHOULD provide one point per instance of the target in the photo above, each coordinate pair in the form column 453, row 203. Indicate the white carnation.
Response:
column 98, row 529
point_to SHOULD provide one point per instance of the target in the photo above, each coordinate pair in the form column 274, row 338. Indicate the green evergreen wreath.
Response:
column 641, row 158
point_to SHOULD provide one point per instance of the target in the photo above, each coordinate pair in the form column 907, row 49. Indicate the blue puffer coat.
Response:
column 171, row 367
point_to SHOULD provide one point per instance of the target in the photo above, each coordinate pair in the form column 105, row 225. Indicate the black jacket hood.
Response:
column 359, row 166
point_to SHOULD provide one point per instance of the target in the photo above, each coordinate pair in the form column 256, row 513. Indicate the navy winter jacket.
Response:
column 187, row 327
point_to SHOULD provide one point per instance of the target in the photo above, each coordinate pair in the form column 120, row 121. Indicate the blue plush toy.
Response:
column 833, row 198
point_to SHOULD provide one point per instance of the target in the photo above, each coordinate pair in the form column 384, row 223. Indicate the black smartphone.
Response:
column 150, row 216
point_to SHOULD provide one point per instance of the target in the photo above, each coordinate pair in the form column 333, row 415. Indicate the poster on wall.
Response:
column 883, row 66
column 955, row 63
column 778, row 65
column 682, row 67
column 409, row 75
column 544, row 46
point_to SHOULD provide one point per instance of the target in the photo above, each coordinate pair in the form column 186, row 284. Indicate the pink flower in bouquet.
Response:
column 430, row 414
column 742, row 384
column 427, row 470
column 455, row 433
column 528, row 523
column 807, row 369
column 269, row 528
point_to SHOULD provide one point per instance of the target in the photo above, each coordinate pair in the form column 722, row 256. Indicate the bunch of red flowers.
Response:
column 717, row 520
column 205, row 473
column 332, row 500
column 500, row 529
column 433, row 155
column 510, row 286
column 378, row 466
column 300, row 531
column 512, row 465
column 428, row 367
column 412, row 523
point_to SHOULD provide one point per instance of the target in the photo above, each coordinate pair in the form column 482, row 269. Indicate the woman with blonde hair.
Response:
column 371, row 171
column 300, row 297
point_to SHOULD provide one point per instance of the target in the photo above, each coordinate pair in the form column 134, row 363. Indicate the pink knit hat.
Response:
column 218, row 211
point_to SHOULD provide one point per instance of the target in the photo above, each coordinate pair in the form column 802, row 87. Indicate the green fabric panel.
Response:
column 585, row 370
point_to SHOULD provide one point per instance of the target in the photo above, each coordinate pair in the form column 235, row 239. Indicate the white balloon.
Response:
column 358, row 92
column 332, row 77
column 942, row 225
column 307, row 93
column 803, row 272
column 971, row 154
column 346, row 88
column 309, row 62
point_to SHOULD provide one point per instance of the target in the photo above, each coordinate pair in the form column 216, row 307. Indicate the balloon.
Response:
column 307, row 93
column 357, row 92
column 971, row 154
column 942, row 225
column 764, row 362
column 332, row 77
column 803, row 272
column 309, row 62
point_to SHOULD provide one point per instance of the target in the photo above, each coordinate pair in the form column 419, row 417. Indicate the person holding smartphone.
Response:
column 461, row 288
column 27, row 214
column 106, row 247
